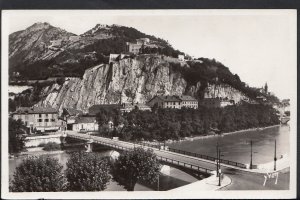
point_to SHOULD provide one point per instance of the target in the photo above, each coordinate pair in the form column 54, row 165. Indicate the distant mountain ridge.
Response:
column 43, row 50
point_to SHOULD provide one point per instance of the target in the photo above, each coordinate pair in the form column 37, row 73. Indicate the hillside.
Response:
column 42, row 51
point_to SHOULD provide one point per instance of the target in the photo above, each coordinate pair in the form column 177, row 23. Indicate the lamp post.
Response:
column 217, row 159
column 251, row 155
column 219, row 167
column 158, row 182
column 275, row 158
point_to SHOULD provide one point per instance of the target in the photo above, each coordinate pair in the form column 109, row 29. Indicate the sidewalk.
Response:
column 208, row 184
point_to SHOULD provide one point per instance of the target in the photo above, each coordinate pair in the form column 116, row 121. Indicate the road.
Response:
column 241, row 179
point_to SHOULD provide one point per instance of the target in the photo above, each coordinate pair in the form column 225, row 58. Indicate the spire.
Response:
column 266, row 88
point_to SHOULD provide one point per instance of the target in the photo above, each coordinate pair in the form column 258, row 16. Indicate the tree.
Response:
column 38, row 174
column 102, row 118
column 87, row 172
column 136, row 165
column 16, row 140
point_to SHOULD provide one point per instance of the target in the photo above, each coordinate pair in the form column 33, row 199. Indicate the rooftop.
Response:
column 186, row 98
column 72, row 111
column 93, row 110
column 85, row 119
column 169, row 98
column 35, row 110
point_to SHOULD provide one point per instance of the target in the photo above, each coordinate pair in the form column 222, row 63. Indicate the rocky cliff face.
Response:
column 129, row 80
column 224, row 91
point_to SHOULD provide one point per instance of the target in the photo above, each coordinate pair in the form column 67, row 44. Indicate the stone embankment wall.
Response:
column 37, row 140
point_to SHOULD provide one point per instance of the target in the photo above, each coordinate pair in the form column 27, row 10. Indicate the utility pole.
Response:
column 219, row 167
column 158, row 182
column 217, row 159
column 251, row 155
column 275, row 157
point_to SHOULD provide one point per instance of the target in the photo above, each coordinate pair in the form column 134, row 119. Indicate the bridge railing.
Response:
column 228, row 162
column 161, row 158
column 185, row 165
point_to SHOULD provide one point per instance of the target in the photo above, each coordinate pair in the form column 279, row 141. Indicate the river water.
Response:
column 236, row 147
column 18, row 88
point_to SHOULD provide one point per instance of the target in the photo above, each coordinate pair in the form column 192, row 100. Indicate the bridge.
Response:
column 194, row 164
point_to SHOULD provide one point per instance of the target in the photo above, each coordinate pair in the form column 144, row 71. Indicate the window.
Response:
column 174, row 103
column 46, row 115
column 40, row 120
column 52, row 120
column 46, row 120
column 40, row 115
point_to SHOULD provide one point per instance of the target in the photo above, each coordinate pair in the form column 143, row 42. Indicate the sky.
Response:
column 258, row 45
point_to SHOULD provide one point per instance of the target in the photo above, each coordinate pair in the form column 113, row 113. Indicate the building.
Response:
column 215, row 102
column 115, row 57
column 42, row 119
column 128, row 107
column 226, row 103
column 124, row 107
column 181, row 57
column 69, row 116
column 261, row 98
column 95, row 109
column 210, row 102
column 135, row 47
column 174, row 101
column 188, row 101
column 85, row 123
column 143, row 41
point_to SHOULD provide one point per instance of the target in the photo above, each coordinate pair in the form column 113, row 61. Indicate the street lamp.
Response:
column 219, row 167
column 158, row 182
column 251, row 155
column 217, row 159
column 275, row 158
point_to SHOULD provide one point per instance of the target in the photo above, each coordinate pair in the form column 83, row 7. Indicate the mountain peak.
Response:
column 39, row 25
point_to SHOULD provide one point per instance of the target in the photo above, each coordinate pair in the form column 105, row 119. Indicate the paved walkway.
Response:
column 209, row 184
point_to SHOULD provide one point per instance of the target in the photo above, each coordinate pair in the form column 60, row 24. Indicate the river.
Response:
column 236, row 146
column 18, row 88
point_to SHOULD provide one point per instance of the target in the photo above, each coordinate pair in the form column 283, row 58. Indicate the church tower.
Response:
column 266, row 88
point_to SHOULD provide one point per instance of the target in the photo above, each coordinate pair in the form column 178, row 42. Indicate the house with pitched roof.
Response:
column 69, row 116
column 188, row 101
column 43, row 119
column 85, row 124
column 174, row 101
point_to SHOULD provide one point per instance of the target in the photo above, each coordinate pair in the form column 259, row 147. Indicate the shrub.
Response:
column 136, row 165
column 42, row 145
column 38, row 174
column 87, row 172
column 51, row 146
column 16, row 139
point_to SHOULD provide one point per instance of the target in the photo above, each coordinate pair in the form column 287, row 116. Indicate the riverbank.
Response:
column 216, row 135
column 34, row 153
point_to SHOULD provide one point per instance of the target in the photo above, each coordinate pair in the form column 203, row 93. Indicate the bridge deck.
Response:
column 189, row 162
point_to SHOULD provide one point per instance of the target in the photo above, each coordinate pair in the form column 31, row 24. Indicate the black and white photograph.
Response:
column 149, row 104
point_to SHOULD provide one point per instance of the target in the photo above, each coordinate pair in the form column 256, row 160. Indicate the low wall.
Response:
column 37, row 140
